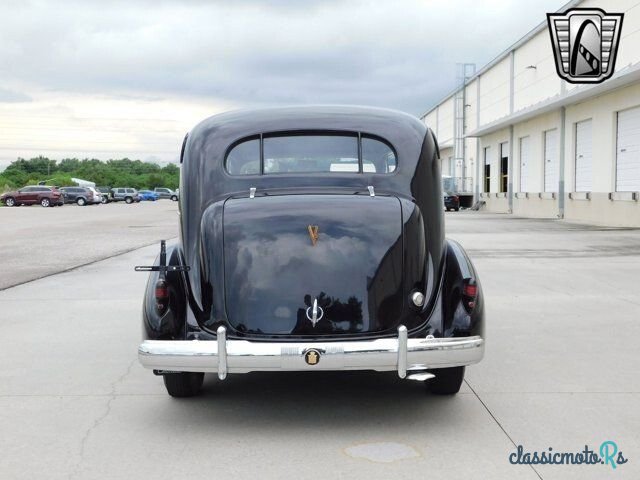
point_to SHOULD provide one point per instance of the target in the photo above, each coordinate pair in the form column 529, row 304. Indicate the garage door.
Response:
column 525, row 155
column 628, row 151
column 584, row 157
column 551, row 162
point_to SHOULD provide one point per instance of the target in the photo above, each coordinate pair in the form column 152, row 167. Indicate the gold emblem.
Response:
column 312, row 357
column 314, row 233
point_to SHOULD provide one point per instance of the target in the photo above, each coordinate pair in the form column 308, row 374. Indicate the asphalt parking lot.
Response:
column 561, row 371
column 40, row 241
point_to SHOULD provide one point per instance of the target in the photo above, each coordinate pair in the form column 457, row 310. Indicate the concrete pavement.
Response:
column 560, row 371
column 40, row 241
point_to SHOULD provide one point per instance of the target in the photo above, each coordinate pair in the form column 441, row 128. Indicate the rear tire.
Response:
column 45, row 202
column 104, row 200
column 183, row 384
column 174, row 198
column 457, row 209
column 447, row 381
column 128, row 200
column 81, row 202
column 10, row 202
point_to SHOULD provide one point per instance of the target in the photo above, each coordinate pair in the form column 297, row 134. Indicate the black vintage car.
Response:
column 312, row 238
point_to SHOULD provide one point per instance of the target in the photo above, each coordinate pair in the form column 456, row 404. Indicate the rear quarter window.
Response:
column 378, row 156
column 244, row 158
column 313, row 152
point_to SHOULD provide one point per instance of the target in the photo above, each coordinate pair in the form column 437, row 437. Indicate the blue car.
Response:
column 148, row 195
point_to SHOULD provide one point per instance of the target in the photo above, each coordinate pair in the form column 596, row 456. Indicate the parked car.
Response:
column 451, row 201
column 148, row 195
column 32, row 195
column 128, row 195
column 80, row 195
column 97, row 196
column 286, row 262
column 166, row 193
column 107, row 195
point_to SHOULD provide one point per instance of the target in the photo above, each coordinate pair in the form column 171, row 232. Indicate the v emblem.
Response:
column 314, row 233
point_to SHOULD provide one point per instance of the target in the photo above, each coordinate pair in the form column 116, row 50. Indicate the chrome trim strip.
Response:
column 243, row 356
column 222, row 352
column 402, row 351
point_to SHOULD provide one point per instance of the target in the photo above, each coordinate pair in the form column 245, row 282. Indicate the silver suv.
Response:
column 129, row 195
column 166, row 193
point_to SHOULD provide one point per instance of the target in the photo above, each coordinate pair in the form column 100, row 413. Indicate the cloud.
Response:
column 10, row 96
column 259, row 53
column 119, row 78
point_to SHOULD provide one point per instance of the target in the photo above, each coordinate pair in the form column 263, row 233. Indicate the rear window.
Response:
column 311, row 153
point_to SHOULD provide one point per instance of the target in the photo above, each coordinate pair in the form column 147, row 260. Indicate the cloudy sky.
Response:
column 114, row 79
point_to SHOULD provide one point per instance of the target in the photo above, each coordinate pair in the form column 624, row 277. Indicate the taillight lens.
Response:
column 469, row 295
column 162, row 296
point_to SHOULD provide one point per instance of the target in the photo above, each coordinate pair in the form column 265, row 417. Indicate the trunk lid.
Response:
column 283, row 254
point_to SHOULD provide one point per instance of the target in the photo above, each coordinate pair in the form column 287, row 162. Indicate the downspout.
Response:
column 562, row 161
column 511, row 108
column 477, row 182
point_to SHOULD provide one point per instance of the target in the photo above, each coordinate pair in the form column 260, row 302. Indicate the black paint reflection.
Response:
column 273, row 272
column 332, row 308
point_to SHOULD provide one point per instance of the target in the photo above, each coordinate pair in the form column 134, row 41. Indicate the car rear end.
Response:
column 57, row 197
column 107, row 194
column 320, row 255
column 451, row 201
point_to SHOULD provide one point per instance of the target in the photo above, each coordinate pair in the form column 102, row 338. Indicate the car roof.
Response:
column 309, row 117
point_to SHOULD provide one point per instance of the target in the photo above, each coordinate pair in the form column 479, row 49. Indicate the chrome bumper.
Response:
column 224, row 356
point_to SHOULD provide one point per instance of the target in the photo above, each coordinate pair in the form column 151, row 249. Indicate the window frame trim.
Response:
column 300, row 133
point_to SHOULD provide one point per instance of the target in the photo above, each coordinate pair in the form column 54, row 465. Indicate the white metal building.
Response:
column 538, row 146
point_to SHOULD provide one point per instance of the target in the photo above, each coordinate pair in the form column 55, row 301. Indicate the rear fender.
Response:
column 456, row 320
column 171, row 324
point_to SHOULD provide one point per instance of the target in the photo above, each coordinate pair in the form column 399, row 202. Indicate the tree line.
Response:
column 112, row 173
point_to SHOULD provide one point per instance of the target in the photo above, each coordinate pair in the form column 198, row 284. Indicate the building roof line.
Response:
column 620, row 79
column 505, row 53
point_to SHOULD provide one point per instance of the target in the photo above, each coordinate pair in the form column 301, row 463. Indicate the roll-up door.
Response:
column 525, row 155
column 628, row 151
column 551, row 162
column 584, row 156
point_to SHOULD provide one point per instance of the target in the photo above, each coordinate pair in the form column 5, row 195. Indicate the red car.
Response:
column 30, row 195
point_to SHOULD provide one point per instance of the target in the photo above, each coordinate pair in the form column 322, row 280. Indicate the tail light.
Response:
column 162, row 296
column 469, row 295
column 456, row 198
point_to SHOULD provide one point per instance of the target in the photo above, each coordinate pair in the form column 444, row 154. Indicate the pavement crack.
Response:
column 99, row 420
column 499, row 424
